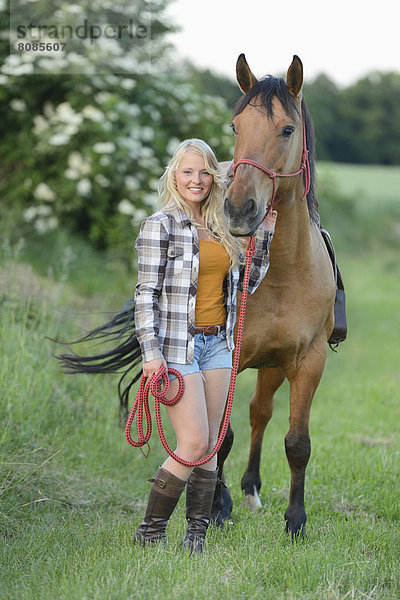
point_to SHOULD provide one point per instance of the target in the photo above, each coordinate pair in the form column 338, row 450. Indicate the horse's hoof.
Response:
column 297, row 533
column 252, row 501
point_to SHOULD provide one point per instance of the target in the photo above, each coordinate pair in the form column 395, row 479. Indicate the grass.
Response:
column 72, row 491
column 374, row 182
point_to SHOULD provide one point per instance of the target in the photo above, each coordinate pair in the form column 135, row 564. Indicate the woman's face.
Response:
column 193, row 181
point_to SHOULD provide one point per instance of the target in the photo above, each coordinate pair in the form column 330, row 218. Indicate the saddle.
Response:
column 339, row 332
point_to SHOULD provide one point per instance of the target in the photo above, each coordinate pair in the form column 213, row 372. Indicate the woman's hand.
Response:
column 268, row 224
column 153, row 366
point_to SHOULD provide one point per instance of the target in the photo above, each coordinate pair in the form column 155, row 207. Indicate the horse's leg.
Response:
column 261, row 407
column 297, row 440
column 222, row 503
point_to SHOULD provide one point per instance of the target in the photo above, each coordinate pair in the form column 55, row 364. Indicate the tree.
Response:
column 86, row 149
column 370, row 113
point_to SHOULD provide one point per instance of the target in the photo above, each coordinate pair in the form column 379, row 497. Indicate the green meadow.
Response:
column 72, row 491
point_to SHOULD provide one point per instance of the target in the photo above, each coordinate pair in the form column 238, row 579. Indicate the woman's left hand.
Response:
column 268, row 224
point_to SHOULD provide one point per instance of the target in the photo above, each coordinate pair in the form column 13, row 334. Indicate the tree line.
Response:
column 357, row 124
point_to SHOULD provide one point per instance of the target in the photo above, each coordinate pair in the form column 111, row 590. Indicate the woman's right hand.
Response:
column 153, row 366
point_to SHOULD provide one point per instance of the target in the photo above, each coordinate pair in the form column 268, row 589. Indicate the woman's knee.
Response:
column 194, row 447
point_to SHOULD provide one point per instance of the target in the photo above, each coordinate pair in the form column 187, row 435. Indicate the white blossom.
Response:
column 150, row 200
column 43, row 210
column 66, row 114
column 172, row 145
column 71, row 173
column 126, row 208
column 29, row 214
column 139, row 215
column 128, row 84
column 48, row 109
column 44, row 192
column 75, row 160
column 153, row 183
column 131, row 183
column 92, row 113
column 112, row 115
column 77, row 163
column 104, row 147
column 84, row 187
column 43, row 225
column 59, row 139
column 147, row 134
column 39, row 124
column 18, row 105
column 103, row 97
column 101, row 180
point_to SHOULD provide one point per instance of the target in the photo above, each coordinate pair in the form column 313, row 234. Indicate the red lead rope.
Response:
column 153, row 385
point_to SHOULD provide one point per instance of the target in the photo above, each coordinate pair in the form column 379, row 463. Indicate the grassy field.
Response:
column 72, row 491
column 377, row 183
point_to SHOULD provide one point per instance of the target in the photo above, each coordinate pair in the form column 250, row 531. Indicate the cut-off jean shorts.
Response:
column 210, row 352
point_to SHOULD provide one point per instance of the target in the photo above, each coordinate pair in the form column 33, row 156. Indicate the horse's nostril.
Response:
column 251, row 208
column 228, row 207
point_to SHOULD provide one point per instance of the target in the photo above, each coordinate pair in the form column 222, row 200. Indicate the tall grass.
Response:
column 72, row 491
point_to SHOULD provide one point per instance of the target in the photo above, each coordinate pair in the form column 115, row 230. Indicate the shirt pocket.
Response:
column 175, row 260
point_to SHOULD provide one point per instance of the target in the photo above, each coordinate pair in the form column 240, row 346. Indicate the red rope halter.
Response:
column 304, row 168
column 141, row 404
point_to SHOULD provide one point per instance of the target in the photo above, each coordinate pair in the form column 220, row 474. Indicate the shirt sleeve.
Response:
column 151, row 246
column 260, row 262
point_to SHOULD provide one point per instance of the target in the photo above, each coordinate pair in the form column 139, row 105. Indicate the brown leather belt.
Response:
column 210, row 330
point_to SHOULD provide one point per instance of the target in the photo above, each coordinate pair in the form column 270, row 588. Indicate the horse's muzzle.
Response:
column 241, row 219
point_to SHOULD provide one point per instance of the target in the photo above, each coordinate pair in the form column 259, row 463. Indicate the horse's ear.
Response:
column 244, row 76
column 294, row 77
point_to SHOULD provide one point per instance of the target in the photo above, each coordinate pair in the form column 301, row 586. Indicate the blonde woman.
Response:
column 189, row 269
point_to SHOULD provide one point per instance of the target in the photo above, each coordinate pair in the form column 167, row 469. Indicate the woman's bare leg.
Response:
column 216, row 386
column 189, row 420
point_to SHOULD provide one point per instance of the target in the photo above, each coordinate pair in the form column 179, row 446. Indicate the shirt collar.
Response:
column 180, row 216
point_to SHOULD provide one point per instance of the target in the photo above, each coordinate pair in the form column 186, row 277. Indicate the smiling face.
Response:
column 193, row 181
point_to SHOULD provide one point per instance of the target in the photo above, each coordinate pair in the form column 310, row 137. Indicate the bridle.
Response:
column 304, row 168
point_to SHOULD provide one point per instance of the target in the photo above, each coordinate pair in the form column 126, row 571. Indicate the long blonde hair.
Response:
column 212, row 207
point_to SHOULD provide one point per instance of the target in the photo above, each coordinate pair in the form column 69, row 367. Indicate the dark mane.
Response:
column 265, row 90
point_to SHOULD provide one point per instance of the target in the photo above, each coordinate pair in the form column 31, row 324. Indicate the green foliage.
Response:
column 86, row 149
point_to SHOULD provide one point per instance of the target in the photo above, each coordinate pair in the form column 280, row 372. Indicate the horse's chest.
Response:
column 279, row 327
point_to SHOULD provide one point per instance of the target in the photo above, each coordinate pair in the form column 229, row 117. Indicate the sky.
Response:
column 345, row 39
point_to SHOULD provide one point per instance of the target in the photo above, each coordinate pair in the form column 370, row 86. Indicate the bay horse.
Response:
column 290, row 317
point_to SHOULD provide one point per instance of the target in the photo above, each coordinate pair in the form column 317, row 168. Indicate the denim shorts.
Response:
column 210, row 352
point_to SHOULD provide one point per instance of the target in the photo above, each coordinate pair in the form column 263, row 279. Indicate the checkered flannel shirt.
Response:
column 165, row 297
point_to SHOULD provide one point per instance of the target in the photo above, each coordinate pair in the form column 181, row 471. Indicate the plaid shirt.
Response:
column 165, row 298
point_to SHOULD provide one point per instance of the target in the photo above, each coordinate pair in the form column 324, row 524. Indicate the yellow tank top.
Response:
column 214, row 265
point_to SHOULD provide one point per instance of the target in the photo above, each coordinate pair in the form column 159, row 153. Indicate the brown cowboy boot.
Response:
column 199, row 498
column 164, row 496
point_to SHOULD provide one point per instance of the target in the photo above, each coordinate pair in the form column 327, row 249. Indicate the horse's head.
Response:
column 268, row 129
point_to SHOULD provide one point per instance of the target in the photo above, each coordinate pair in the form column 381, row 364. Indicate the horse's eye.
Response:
column 233, row 128
column 287, row 131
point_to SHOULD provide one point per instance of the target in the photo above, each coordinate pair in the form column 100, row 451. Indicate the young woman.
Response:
column 189, row 269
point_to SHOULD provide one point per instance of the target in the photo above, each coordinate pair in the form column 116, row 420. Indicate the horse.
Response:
column 290, row 317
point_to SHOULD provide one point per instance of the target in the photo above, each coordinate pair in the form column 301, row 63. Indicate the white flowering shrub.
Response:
column 85, row 151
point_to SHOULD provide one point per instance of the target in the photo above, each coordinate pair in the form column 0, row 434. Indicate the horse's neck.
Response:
column 293, row 243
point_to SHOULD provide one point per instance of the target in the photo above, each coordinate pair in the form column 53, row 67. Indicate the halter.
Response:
column 304, row 168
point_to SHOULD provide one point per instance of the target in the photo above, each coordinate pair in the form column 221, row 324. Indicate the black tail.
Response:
column 124, row 356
